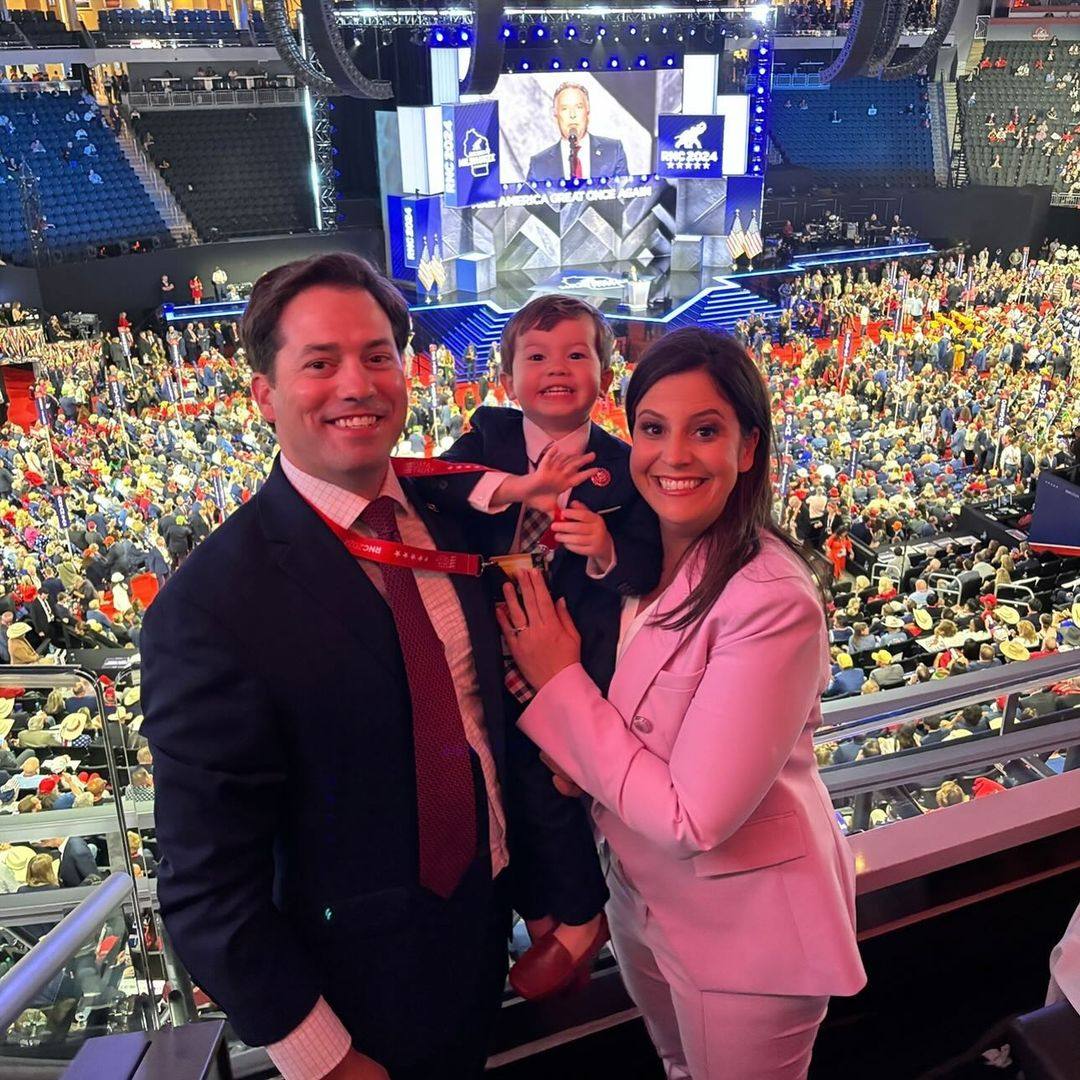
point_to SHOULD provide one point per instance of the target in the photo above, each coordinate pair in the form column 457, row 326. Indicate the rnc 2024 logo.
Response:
column 686, row 154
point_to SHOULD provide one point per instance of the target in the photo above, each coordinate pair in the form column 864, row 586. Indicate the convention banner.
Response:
column 1003, row 411
column 1044, row 391
column 690, row 147
column 470, row 151
column 789, row 426
column 62, row 515
column 219, row 490
column 116, row 393
column 415, row 222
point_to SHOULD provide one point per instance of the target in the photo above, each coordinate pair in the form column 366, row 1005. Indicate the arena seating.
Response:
column 1040, row 82
column 79, row 213
column 45, row 29
column 256, row 181
column 11, row 37
column 893, row 146
column 819, row 17
column 187, row 27
column 258, row 29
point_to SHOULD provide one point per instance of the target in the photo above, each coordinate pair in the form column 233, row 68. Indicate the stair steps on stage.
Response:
column 480, row 324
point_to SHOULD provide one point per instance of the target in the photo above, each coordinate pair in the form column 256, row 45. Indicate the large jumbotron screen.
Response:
column 611, row 116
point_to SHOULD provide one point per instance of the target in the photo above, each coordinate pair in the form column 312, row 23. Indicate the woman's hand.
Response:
column 540, row 633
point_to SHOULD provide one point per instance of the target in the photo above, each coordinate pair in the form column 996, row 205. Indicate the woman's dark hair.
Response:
column 734, row 538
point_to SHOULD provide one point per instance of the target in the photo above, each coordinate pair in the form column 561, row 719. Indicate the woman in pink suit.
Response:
column 732, row 904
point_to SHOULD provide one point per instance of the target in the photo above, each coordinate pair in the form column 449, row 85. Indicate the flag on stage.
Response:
column 424, row 272
column 736, row 241
column 438, row 267
column 753, row 243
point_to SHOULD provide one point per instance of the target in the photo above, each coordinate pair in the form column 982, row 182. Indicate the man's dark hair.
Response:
column 971, row 715
column 274, row 290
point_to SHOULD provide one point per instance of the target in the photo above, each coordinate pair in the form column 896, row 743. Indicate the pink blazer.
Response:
column 702, row 771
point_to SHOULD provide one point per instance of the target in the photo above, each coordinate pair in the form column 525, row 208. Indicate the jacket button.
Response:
column 642, row 724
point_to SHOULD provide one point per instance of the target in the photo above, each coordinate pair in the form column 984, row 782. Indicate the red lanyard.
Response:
column 394, row 553
column 433, row 467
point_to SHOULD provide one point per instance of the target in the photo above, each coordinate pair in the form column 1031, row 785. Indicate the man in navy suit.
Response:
column 578, row 154
column 330, row 802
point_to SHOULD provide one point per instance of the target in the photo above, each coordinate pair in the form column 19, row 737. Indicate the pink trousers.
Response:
column 706, row 1034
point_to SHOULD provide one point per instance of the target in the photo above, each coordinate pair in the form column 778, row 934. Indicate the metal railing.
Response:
column 208, row 99
column 846, row 717
column 54, row 952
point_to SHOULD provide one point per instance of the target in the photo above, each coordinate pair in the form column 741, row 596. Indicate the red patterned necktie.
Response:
column 575, row 162
column 445, row 796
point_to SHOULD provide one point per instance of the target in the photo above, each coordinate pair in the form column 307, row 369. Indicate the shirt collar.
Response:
column 537, row 440
column 342, row 507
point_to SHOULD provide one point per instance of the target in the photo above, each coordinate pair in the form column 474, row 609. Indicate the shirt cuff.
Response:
column 314, row 1048
column 598, row 569
column 481, row 494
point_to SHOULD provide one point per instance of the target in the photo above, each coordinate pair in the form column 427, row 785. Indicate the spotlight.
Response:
column 439, row 35
column 669, row 61
column 540, row 32
column 524, row 65
column 555, row 65
column 613, row 62
column 601, row 31
column 463, row 35
column 760, row 13
column 507, row 32
column 633, row 31
column 763, row 51
column 663, row 29
column 642, row 61
column 584, row 63
column 571, row 32
column 757, row 129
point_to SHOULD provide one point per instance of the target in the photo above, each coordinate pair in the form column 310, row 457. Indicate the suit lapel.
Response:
column 317, row 561
column 647, row 653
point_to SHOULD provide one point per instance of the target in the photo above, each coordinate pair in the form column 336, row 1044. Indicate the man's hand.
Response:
column 584, row 532
column 356, row 1066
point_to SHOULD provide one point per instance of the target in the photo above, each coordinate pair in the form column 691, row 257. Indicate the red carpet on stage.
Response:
column 17, row 383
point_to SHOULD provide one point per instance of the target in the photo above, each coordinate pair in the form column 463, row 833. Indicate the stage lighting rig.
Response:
column 874, row 35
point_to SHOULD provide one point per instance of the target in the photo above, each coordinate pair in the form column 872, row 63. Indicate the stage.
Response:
column 665, row 298
column 648, row 293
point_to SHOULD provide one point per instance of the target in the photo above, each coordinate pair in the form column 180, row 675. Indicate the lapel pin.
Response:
column 601, row 477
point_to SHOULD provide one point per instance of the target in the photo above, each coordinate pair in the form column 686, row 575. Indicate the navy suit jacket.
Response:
column 497, row 439
column 607, row 158
column 276, row 704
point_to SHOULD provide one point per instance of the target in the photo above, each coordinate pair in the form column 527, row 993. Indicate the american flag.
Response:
column 736, row 241
column 425, row 273
column 753, row 243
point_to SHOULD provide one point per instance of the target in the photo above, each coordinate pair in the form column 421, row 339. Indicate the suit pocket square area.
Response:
column 757, row 845
column 678, row 680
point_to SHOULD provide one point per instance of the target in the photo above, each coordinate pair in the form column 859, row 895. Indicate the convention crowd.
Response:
column 888, row 388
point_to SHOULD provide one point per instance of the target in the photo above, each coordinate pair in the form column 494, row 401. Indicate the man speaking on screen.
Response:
column 578, row 154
